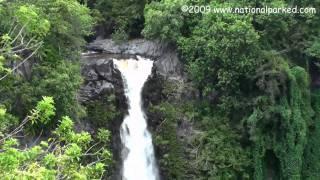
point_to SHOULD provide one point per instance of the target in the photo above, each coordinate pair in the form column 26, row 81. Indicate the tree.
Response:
column 169, row 20
column 253, row 72
column 66, row 155
column 122, row 18
column 49, row 35
column 227, row 52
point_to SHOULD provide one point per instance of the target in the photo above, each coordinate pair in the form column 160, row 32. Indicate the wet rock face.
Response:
column 102, row 82
column 152, row 94
column 159, row 89
column 168, row 88
column 100, row 77
column 164, row 55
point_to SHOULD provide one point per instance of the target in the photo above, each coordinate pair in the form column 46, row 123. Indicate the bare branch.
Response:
column 24, row 49
column 21, row 63
column 19, row 34
column 16, row 130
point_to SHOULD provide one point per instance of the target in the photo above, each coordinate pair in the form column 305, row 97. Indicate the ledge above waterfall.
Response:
column 141, row 47
column 165, row 56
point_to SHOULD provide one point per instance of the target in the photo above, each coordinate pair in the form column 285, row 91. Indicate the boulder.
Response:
column 102, row 81
column 100, row 78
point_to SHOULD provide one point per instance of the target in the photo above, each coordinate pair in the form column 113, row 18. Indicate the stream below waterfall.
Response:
column 139, row 161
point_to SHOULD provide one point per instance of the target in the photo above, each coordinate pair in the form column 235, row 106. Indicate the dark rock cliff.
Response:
column 102, row 93
column 102, row 80
column 164, row 55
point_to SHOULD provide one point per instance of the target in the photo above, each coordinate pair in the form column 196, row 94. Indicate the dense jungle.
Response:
column 230, row 96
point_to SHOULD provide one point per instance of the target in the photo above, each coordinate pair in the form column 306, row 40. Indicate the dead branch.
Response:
column 21, row 63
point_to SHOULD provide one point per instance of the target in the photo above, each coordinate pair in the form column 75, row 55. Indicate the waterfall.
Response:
column 138, row 153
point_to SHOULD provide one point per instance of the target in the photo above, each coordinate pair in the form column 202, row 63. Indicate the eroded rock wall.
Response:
column 102, row 80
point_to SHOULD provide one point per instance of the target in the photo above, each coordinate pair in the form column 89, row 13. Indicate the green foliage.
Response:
column 120, row 35
column 311, row 166
column 35, row 24
column 251, row 72
column 59, row 28
column 101, row 111
column 281, row 126
column 61, row 25
column 103, row 135
column 314, row 49
column 216, row 152
column 292, row 36
column 62, row 84
column 44, row 111
column 7, row 121
column 63, row 156
column 71, row 22
column 165, row 137
column 220, row 153
column 122, row 18
column 60, row 81
column 164, row 20
column 253, row 63
column 40, row 43
column 68, row 21
column 212, row 65
column 2, row 63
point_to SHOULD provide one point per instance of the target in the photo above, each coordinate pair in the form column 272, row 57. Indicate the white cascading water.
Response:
column 138, row 154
